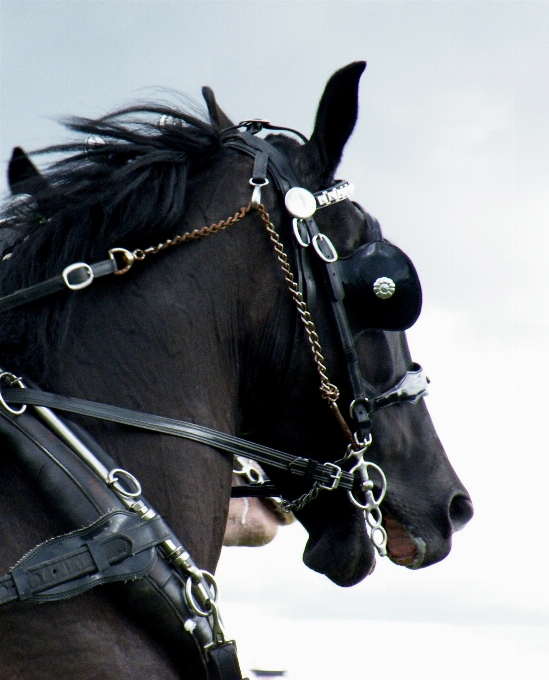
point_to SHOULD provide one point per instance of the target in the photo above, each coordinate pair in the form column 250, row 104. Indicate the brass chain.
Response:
column 328, row 390
column 141, row 254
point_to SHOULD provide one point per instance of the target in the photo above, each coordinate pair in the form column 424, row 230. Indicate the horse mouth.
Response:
column 274, row 507
column 403, row 548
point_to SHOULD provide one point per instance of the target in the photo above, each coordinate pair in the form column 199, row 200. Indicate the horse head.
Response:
column 209, row 332
column 425, row 501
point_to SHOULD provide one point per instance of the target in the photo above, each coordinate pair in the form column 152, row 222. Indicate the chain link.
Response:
column 141, row 254
column 329, row 391
column 301, row 502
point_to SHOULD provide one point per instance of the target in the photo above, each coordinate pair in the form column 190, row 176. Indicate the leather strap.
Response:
column 323, row 473
column 79, row 498
column 223, row 662
column 79, row 275
column 265, row 490
column 117, row 547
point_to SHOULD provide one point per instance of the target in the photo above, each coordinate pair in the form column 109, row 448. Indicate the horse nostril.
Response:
column 460, row 511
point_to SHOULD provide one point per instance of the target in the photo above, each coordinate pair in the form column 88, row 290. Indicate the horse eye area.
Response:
column 460, row 512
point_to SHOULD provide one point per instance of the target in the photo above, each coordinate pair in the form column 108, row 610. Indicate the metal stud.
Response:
column 300, row 203
column 384, row 287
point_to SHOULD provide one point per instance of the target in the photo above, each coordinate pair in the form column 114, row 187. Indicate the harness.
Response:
column 124, row 539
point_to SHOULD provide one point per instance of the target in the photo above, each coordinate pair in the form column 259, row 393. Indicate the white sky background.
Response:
column 451, row 155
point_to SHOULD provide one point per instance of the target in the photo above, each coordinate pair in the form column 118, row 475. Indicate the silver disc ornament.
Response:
column 300, row 203
column 384, row 287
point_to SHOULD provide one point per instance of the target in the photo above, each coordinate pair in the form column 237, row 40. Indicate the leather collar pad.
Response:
column 117, row 547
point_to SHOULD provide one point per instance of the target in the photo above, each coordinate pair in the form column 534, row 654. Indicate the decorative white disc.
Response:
column 300, row 203
column 384, row 287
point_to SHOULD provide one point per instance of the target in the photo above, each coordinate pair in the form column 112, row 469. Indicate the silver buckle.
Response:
column 335, row 476
column 75, row 267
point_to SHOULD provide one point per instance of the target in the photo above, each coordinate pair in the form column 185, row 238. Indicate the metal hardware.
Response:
column 321, row 241
column 384, row 287
column 10, row 381
column 127, row 257
column 329, row 391
column 301, row 232
column 362, row 445
column 114, row 482
column 300, row 202
column 339, row 192
column 142, row 510
column 302, row 501
column 371, row 506
column 94, row 141
column 206, row 597
column 254, row 125
column 366, row 403
column 247, row 470
column 75, row 267
column 335, row 477
column 256, row 195
column 217, row 628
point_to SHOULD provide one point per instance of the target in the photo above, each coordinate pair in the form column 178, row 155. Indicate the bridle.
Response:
column 269, row 164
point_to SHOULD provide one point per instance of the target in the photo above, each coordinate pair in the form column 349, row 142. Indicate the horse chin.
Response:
column 403, row 548
column 342, row 552
column 254, row 522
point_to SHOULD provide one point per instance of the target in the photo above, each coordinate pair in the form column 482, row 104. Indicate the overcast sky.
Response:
column 451, row 155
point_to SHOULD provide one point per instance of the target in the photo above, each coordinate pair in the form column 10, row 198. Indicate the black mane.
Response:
column 123, row 184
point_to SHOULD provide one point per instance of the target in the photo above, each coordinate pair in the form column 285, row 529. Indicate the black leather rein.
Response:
column 328, row 475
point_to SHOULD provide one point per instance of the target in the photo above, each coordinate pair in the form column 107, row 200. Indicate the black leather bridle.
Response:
column 139, row 517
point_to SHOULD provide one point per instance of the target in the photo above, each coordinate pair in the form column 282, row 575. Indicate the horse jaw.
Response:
column 342, row 551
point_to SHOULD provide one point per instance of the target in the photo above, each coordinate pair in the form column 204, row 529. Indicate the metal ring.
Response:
column 360, row 400
column 191, row 600
column 377, row 501
column 247, row 470
column 379, row 544
column 127, row 257
column 374, row 518
column 363, row 444
column 74, row 267
column 112, row 481
column 298, row 233
column 332, row 256
column 259, row 184
column 14, row 380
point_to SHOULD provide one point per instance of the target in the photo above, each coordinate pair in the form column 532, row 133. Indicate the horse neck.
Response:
column 182, row 335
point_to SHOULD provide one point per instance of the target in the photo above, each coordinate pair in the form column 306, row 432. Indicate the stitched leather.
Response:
column 78, row 497
column 117, row 547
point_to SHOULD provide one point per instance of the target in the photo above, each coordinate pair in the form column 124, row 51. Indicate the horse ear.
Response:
column 23, row 174
column 335, row 119
column 218, row 118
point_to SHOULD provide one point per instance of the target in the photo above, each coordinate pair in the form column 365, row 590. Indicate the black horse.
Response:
column 207, row 332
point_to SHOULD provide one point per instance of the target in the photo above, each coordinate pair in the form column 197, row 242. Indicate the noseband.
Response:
column 375, row 287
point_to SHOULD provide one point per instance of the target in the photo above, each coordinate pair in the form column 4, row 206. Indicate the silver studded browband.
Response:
column 338, row 192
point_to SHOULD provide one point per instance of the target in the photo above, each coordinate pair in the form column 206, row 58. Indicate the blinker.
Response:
column 382, row 288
